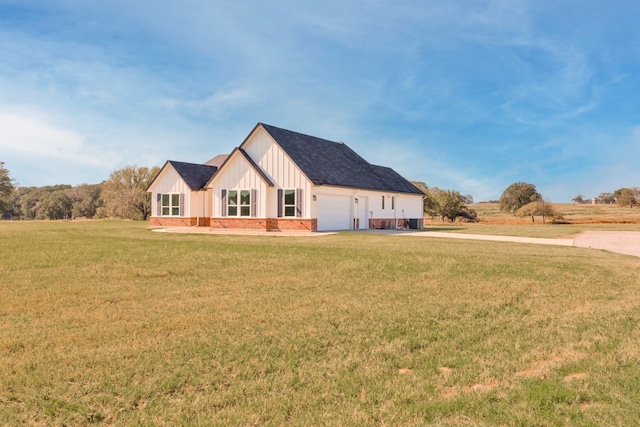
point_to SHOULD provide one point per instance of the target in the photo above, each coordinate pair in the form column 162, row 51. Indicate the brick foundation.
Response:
column 271, row 224
column 300, row 224
column 246, row 223
column 166, row 221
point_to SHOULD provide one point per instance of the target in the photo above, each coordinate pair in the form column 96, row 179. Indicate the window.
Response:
column 289, row 202
column 232, row 203
column 382, row 202
column 170, row 204
column 393, row 202
column 239, row 203
column 245, row 203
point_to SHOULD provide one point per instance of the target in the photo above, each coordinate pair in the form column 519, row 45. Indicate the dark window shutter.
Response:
column 181, row 204
column 159, row 204
column 280, row 202
column 224, row 203
column 298, row 202
column 253, row 202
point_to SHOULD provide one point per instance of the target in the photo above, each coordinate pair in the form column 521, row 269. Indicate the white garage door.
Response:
column 333, row 212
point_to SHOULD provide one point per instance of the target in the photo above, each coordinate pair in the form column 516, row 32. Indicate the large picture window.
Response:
column 239, row 203
column 170, row 204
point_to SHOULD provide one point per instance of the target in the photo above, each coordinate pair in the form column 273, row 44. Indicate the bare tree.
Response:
column 627, row 196
column 607, row 198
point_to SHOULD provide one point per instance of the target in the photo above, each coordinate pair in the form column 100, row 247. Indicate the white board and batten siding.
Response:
column 170, row 182
column 238, row 174
column 279, row 168
column 337, row 208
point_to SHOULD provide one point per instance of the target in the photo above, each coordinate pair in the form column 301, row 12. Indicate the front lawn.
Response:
column 108, row 322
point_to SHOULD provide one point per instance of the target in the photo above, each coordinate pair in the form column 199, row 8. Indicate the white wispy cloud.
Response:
column 35, row 137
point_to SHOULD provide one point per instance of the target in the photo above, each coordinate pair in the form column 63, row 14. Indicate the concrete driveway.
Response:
column 623, row 242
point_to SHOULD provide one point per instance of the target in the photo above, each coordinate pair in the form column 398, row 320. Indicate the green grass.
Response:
column 106, row 322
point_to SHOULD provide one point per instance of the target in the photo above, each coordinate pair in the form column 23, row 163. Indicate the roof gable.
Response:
column 194, row 175
column 249, row 160
column 326, row 162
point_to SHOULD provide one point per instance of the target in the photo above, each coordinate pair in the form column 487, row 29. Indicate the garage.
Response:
column 333, row 212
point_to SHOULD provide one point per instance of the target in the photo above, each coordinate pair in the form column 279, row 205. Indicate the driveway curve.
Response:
column 623, row 242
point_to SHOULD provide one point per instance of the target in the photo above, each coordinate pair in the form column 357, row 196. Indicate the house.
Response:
column 283, row 180
column 179, row 194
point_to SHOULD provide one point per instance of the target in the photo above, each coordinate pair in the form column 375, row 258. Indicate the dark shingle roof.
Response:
column 333, row 163
column 196, row 176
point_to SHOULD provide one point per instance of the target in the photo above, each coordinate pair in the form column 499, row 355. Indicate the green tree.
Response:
column 125, row 192
column 85, row 200
column 7, row 186
column 446, row 204
column 538, row 208
column 28, row 201
column 517, row 195
column 55, row 205
column 450, row 204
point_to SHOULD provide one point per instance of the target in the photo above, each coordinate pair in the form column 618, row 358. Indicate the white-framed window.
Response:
column 238, row 202
column 290, row 203
column 393, row 202
column 171, row 204
column 383, row 201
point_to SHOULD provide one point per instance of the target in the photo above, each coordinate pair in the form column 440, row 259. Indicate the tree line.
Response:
column 520, row 199
column 625, row 197
column 122, row 196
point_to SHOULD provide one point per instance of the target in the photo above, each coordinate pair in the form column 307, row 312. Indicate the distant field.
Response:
column 571, row 213
column 106, row 322
column 575, row 219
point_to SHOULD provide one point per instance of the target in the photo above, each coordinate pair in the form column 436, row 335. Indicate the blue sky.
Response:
column 463, row 95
